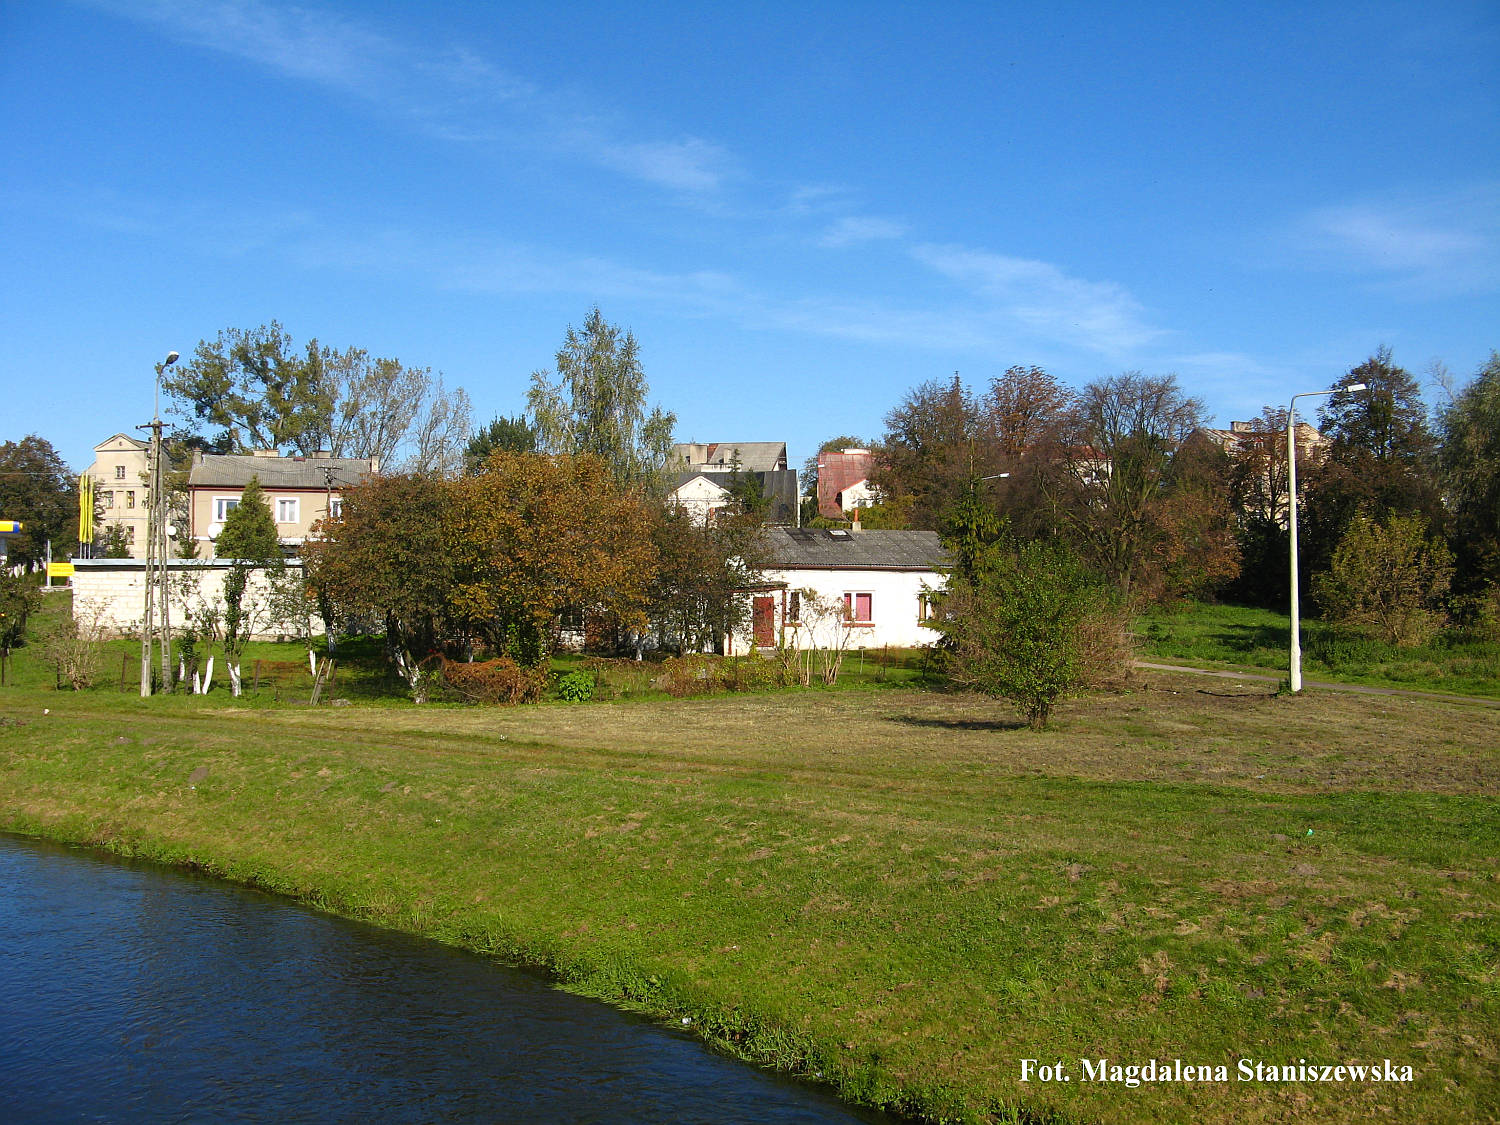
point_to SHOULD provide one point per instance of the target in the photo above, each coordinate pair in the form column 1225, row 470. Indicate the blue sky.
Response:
column 802, row 211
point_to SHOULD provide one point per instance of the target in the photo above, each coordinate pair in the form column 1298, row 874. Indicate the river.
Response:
column 134, row 992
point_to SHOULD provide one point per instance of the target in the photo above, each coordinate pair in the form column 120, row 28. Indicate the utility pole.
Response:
column 156, row 624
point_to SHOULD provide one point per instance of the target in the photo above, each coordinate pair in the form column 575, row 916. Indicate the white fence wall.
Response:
column 117, row 588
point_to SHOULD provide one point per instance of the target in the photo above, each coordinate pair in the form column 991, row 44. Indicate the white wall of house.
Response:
column 700, row 498
column 896, row 605
column 858, row 495
column 117, row 589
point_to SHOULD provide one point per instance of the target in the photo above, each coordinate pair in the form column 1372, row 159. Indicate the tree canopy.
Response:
column 597, row 405
column 254, row 389
column 1470, row 464
column 40, row 491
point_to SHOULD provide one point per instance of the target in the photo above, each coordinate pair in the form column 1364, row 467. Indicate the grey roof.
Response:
column 754, row 456
column 234, row 471
column 795, row 548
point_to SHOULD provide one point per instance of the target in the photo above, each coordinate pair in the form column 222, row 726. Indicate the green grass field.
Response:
column 904, row 892
column 1205, row 635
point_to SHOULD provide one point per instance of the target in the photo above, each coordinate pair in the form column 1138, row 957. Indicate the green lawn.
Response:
column 905, row 892
column 1216, row 635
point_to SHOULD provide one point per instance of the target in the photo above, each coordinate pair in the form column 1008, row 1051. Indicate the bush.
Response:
column 576, row 687
column 1389, row 578
column 701, row 674
column 1035, row 626
column 492, row 681
column 75, row 646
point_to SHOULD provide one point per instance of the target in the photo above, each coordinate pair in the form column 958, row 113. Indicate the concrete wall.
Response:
column 117, row 589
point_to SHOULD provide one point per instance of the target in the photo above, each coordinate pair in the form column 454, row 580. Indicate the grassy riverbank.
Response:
column 904, row 892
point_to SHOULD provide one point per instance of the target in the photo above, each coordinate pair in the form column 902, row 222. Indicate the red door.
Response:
column 763, row 616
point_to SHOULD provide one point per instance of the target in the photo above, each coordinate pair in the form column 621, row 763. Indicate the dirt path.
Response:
column 1357, row 689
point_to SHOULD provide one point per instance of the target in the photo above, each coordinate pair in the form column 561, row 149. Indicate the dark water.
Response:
column 131, row 992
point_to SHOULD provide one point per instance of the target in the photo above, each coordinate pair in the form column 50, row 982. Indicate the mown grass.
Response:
column 1202, row 634
column 906, row 893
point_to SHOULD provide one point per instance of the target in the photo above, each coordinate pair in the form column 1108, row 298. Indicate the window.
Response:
column 860, row 608
column 130, row 533
column 119, row 472
column 130, row 499
column 928, row 606
column 223, row 505
column 794, row 606
column 109, row 499
column 286, row 511
column 336, row 508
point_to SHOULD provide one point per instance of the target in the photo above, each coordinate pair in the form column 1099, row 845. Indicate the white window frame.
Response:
column 336, row 507
column 223, row 505
column 119, row 472
column 285, row 505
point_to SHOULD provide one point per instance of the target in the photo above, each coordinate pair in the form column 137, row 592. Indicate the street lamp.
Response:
column 1291, row 468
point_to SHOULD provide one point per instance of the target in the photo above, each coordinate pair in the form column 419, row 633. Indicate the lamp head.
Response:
column 1356, row 387
column 171, row 359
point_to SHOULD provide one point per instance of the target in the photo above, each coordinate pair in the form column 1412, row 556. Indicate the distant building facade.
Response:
column 300, row 491
column 702, row 477
column 120, row 473
column 844, row 482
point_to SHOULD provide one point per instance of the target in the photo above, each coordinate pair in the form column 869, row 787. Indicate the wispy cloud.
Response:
column 1042, row 301
column 852, row 230
column 1444, row 244
column 448, row 91
column 690, row 165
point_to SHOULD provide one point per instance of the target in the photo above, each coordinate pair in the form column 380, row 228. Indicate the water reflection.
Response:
column 130, row 992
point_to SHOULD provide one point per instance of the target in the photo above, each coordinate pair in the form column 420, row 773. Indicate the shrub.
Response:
column 576, row 687
column 1035, row 626
column 493, row 681
column 701, row 674
column 1389, row 578
column 76, row 645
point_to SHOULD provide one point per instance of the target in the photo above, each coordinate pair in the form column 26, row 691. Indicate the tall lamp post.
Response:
column 1291, row 471
column 157, row 618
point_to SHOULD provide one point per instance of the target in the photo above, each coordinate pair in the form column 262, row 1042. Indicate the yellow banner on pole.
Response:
column 85, row 508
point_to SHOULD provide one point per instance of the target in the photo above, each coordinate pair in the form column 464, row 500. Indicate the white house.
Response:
column 882, row 579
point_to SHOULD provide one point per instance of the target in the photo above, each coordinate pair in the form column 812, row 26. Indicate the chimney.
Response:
column 856, row 525
column 322, row 454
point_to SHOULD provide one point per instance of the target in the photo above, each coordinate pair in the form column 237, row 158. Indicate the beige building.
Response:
column 120, row 472
column 300, row 491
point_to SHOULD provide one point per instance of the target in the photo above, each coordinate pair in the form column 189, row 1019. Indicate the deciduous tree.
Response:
column 1390, row 577
column 1470, row 463
column 597, row 406
column 536, row 535
column 40, row 491
column 1115, row 496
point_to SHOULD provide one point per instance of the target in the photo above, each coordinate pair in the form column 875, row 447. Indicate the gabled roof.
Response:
column 136, row 442
column 234, row 471
column 800, row 548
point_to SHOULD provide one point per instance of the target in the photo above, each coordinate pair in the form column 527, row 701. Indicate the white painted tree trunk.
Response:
column 234, row 678
column 208, row 675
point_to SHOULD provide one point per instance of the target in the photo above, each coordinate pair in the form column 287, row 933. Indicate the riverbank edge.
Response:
column 731, row 1031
